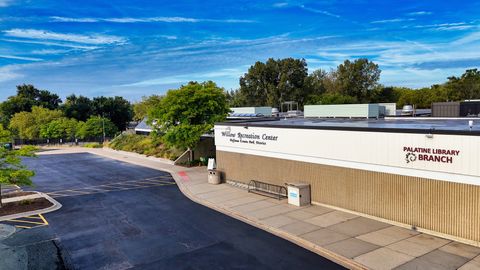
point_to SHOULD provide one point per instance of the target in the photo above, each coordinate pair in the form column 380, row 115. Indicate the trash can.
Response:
column 8, row 146
column 298, row 194
column 213, row 177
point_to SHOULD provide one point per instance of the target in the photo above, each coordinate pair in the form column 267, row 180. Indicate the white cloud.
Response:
column 184, row 78
column 79, row 20
column 8, row 73
column 169, row 37
column 48, row 43
column 5, row 3
column 419, row 13
column 77, row 38
column 145, row 20
column 16, row 57
column 47, row 52
column 396, row 20
column 280, row 4
column 468, row 39
column 403, row 54
column 454, row 28
column 154, row 19
column 320, row 11
column 440, row 25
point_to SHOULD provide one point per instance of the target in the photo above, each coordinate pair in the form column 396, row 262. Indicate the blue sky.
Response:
column 137, row 48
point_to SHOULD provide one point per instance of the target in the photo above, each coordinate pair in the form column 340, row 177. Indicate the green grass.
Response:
column 145, row 145
column 93, row 145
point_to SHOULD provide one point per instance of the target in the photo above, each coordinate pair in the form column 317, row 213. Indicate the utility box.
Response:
column 298, row 194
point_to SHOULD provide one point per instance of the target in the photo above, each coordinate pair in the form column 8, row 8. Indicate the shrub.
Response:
column 93, row 145
column 145, row 145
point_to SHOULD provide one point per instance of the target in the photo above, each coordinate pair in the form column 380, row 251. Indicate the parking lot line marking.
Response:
column 78, row 191
column 32, row 217
column 43, row 218
column 23, row 227
column 117, row 186
column 156, row 181
column 25, row 221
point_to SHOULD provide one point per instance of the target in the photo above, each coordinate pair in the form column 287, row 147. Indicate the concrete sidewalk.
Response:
column 350, row 240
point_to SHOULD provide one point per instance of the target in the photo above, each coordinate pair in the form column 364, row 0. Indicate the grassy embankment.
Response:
column 145, row 145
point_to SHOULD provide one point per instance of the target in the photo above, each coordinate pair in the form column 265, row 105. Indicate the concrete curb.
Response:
column 21, row 198
column 56, row 205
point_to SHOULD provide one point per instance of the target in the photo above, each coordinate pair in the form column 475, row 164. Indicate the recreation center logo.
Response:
column 413, row 154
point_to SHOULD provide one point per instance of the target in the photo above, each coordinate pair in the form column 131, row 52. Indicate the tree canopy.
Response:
column 5, row 135
column 147, row 103
column 94, row 126
column 61, row 128
column 78, row 107
column 184, row 114
column 27, row 97
column 274, row 82
column 27, row 125
column 117, row 109
column 12, row 171
column 358, row 78
column 353, row 81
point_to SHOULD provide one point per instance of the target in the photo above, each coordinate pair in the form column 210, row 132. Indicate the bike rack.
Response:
column 266, row 189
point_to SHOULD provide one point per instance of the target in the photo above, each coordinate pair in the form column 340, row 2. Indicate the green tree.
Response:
column 5, row 135
column 358, row 78
column 384, row 95
column 332, row 98
column 184, row 114
column 62, row 128
column 141, row 108
column 317, row 81
column 27, row 96
column 274, row 82
column 94, row 127
column 235, row 98
column 467, row 86
column 78, row 107
column 27, row 125
column 12, row 171
column 117, row 109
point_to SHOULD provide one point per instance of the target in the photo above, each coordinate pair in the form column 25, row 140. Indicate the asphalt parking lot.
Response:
column 116, row 215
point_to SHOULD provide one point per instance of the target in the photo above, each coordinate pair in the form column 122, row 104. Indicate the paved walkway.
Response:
column 353, row 241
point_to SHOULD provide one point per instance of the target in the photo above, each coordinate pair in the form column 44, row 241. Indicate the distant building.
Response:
column 249, row 112
column 143, row 128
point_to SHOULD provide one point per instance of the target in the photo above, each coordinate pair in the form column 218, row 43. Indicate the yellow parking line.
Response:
column 32, row 217
column 43, row 218
column 25, row 221
column 23, row 227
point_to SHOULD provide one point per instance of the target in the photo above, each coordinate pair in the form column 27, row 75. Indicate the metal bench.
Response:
column 266, row 189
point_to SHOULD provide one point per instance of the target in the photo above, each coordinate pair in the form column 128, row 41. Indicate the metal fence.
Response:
column 70, row 141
